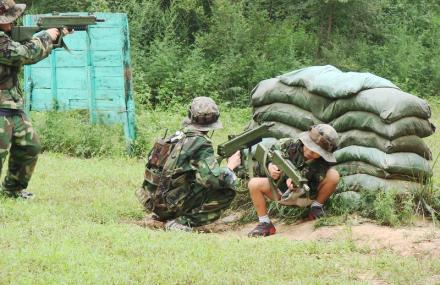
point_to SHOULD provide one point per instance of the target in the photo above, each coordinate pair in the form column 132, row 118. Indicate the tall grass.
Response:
column 71, row 133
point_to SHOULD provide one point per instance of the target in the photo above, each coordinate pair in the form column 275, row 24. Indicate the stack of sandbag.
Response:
column 380, row 127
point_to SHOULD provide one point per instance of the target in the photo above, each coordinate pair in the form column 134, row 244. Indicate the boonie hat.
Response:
column 9, row 11
column 322, row 139
column 203, row 115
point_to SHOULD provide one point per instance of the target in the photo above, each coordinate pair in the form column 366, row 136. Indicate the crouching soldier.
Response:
column 312, row 154
column 184, row 185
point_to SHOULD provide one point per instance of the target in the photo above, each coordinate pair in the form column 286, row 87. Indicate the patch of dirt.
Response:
column 421, row 239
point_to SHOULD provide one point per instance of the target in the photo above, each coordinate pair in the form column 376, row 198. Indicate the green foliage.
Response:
column 71, row 133
column 389, row 208
column 223, row 48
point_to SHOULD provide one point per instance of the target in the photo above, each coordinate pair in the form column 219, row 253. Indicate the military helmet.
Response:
column 203, row 115
column 322, row 139
column 9, row 11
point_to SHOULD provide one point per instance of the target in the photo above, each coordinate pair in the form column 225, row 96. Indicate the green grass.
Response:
column 71, row 133
column 80, row 230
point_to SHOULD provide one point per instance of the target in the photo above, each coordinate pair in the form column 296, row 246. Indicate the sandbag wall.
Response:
column 380, row 127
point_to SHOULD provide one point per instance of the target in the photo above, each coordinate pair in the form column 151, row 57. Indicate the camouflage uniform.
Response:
column 199, row 189
column 16, row 132
column 314, row 171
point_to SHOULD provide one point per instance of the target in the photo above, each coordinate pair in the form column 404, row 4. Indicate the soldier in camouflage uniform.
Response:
column 190, row 189
column 312, row 154
column 16, row 133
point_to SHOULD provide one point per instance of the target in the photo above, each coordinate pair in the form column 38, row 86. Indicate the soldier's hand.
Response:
column 67, row 31
column 274, row 171
column 54, row 33
column 234, row 161
column 289, row 184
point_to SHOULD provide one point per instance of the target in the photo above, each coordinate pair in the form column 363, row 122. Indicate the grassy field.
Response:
column 80, row 229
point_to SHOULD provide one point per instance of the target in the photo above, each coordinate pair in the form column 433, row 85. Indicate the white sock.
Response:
column 264, row 219
column 316, row 204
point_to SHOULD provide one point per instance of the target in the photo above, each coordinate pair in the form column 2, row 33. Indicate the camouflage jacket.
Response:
column 190, row 169
column 198, row 163
column 314, row 170
column 12, row 56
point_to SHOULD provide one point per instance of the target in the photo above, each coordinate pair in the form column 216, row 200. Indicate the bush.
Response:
column 71, row 133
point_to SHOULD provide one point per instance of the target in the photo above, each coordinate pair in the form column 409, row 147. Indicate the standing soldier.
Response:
column 16, row 132
column 184, row 185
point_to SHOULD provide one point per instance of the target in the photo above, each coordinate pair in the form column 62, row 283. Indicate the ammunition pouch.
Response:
column 159, row 154
column 152, row 176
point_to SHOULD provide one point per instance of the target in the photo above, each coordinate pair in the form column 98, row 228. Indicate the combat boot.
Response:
column 263, row 230
column 315, row 212
column 173, row 225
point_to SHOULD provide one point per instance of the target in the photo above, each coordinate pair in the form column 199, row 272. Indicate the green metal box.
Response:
column 94, row 75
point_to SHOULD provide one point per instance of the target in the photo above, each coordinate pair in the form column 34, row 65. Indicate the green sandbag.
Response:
column 287, row 114
column 359, row 167
column 370, row 122
column 280, row 130
column 364, row 182
column 272, row 91
column 388, row 103
column 405, row 163
column 368, row 139
column 330, row 82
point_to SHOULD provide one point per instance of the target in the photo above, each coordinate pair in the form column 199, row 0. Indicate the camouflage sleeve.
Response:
column 283, row 145
column 209, row 173
column 15, row 54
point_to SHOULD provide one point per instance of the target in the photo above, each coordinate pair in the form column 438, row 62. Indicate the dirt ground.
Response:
column 420, row 239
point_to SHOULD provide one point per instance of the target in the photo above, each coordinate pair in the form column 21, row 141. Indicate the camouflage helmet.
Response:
column 203, row 115
column 322, row 139
column 9, row 11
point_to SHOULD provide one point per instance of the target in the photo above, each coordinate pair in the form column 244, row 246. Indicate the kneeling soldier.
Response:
column 184, row 185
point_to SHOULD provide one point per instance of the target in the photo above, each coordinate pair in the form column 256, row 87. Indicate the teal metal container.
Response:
column 94, row 75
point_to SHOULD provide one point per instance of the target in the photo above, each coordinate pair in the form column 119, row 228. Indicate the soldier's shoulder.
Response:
column 197, row 135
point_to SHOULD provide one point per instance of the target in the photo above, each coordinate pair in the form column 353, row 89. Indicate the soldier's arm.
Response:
column 14, row 53
column 209, row 173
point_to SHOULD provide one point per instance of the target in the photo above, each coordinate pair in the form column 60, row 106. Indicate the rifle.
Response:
column 290, row 197
column 70, row 22
column 241, row 142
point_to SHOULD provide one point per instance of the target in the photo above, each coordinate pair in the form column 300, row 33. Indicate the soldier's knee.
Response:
column 34, row 149
column 333, row 176
column 252, row 185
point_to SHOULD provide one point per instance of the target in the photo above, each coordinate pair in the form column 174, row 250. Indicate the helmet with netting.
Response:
column 203, row 115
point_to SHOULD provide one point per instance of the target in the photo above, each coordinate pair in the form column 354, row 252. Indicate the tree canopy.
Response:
column 223, row 48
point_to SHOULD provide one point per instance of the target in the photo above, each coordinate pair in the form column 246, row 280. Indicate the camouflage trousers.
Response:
column 18, row 137
column 198, row 207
